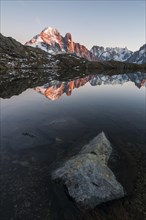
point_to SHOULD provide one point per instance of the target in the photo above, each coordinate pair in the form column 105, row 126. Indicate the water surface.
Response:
column 49, row 123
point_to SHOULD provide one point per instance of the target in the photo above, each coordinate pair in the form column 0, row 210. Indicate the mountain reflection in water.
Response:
column 55, row 89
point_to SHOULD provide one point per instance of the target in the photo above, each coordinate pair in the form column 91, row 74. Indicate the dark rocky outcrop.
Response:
column 87, row 177
column 14, row 55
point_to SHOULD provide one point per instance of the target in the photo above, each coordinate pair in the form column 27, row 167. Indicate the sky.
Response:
column 104, row 23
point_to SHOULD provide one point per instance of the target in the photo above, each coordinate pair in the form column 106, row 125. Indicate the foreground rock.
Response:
column 87, row 177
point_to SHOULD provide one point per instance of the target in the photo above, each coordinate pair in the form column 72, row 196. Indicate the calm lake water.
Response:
column 47, row 124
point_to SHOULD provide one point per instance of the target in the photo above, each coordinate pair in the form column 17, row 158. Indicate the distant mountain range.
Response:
column 55, row 89
column 51, row 41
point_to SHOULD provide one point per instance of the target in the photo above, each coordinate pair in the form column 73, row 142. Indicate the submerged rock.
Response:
column 87, row 177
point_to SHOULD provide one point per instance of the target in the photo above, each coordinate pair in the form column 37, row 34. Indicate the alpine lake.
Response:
column 46, row 119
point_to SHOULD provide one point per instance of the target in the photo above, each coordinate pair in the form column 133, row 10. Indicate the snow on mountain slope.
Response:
column 109, row 53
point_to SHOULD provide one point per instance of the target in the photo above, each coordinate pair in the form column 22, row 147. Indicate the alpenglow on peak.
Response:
column 50, row 30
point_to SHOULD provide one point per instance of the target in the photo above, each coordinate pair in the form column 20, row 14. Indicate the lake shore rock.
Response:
column 88, row 179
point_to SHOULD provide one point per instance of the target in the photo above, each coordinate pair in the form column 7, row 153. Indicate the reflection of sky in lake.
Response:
column 117, row 109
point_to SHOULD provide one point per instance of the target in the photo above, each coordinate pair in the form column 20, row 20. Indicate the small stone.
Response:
column 27, row 204
column 24, row 163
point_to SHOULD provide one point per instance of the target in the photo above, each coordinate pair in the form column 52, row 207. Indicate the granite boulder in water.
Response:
column 88, row 179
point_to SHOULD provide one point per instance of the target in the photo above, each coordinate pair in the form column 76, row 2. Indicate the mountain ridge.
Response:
column 51, row 41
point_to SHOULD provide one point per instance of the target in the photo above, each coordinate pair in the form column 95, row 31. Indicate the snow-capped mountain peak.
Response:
column 50, row 30
column 52, row 41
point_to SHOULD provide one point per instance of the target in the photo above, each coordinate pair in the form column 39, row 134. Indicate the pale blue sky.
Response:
column 102, row 23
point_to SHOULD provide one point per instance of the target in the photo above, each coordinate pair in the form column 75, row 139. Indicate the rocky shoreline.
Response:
column 14, row 55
